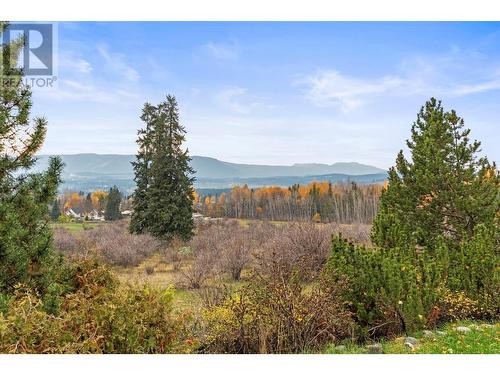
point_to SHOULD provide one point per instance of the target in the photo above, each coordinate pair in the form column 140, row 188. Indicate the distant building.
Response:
column 127, row 213
column 79, row 215
column 74, row 213
column 95, row 215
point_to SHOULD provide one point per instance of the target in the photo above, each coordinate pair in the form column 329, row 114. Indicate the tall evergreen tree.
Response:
column 25, row 237
column 445, row 190
column 163, row 200
column 55, row 211
column 113, row 201
column 141, row 170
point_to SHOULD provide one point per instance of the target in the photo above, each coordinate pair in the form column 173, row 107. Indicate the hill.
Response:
column 87, row 172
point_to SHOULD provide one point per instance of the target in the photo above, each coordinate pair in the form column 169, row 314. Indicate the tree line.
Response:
column 109, row 203
column 317, row 201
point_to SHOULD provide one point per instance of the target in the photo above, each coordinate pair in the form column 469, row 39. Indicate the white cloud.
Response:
column 467, row 89
column 222, row 51
column 78, row 65
column 238, row 100
column 118, row 64
column 234, row 99
column 331, row 88
column 87, row 92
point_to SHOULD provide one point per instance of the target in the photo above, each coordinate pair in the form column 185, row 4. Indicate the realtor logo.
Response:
column 37, row 55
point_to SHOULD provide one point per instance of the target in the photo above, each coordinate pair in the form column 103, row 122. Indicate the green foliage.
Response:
column 63, row 219
column 95, row 317
column 444, row 191
column 163, row 199
column 112, row 211
column 404, row 289
column 55, row 211
column 25, row 237
column 437, row 232
column 475, row 270
column 391, row 290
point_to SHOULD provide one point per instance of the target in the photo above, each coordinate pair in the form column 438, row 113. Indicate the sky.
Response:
column 271, row 93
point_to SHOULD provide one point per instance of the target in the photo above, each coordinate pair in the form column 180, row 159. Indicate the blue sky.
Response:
column 271, row 93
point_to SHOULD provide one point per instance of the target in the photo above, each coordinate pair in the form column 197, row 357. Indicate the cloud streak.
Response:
column 222, row 51
column 117, row 63
column 331, row 88
column 444, row 75
column 234, row 99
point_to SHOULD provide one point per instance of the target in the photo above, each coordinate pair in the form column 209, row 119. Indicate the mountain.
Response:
column 213, row 168
column 89, row 172
column 221, row 183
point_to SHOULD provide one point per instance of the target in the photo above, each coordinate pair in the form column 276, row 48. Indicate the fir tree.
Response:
column 163, row 200
column 112, row 211
column 445, row 190
column 25, row 236
column 141, row 171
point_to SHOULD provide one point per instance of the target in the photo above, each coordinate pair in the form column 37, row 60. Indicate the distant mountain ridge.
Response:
column 92, row 171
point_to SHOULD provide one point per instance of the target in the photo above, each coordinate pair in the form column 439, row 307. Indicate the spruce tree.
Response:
column 163, row 200
column 25, row 236
column 113, row 201
column 444, row 190
column 55, row 212
column 141, row 171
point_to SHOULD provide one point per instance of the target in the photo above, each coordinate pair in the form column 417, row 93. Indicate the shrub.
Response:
column 71, row 245
column 221, row 248
column 457, row 306
column 204, row 256
column 276, row 314
column 236, row 248
column 303, row 247
column 391, row 290
column 97, row 317
column 110, row 242
column 475, row 270
column 406, row 288
column 176, row 252
column 357, row 233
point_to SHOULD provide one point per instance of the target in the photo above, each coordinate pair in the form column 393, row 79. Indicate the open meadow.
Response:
column 200, row 281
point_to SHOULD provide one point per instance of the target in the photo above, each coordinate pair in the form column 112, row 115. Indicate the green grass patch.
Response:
column 483, row 338
column 76, row 227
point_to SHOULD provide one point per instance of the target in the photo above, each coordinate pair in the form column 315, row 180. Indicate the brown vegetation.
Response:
column 110, row 242
column 317, row 202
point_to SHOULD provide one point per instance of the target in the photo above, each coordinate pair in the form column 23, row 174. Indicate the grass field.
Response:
column 75, row 227
column 163, row 275
column 483, row 338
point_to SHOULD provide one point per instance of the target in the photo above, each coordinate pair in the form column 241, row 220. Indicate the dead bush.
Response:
column 176, row 252
column 110, row 242
column 221, row 248
column 303, row 247
column 275, row 314
column 73, row 245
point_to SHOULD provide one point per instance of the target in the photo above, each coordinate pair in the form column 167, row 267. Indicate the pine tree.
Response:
column 444, row 190
column 163, row 200
column 112, row 211
column 25, row 236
